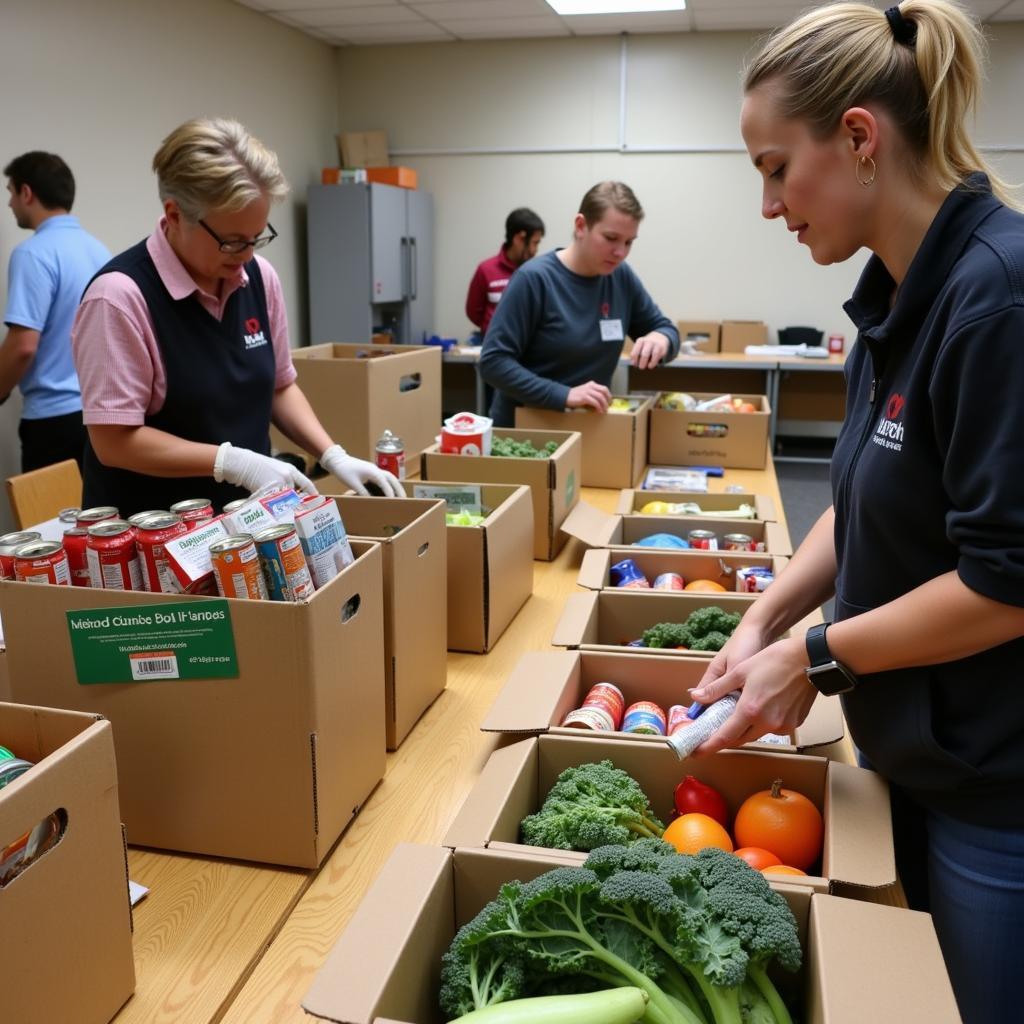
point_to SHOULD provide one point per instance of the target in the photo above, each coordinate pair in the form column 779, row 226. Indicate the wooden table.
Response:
column 224, row 941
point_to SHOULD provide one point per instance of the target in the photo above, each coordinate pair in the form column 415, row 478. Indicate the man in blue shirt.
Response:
column 45, row 281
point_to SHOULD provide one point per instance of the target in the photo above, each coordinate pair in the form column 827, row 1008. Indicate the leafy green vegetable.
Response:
column 706, row 629
column 512, row 448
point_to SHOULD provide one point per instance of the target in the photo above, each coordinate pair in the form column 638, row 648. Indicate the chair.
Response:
column 40, row 494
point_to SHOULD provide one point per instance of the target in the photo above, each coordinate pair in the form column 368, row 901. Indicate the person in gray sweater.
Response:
column 557, row 334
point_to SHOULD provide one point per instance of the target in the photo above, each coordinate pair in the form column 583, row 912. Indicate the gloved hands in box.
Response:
column 357, row 473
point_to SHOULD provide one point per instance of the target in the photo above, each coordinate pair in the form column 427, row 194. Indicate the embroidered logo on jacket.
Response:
column 889, row 432
column 254, row 336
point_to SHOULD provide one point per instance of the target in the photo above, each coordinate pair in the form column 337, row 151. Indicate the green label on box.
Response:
column 140, row 643
column 570, row 488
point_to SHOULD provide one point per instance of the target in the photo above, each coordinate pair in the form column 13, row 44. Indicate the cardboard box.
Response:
column 602, row 619
column 359, row 391
column 554, row 483
column 717, row 566
column 5, row 678
column 858, row 846
column 614, row 445
column 862, row 961
column 546, row 685
column 705, row 334
column 490, row 566
column 66, row 940
column 270, row 765
column 363, row 149
column 412, row 536
column 632, row 500
column 676, row 441
column 599, row 529
column 738, row 334
column 403, row 177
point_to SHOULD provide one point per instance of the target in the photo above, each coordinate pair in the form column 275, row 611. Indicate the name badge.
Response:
column 611, row 330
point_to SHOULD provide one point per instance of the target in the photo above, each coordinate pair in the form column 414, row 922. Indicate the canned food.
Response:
column 42, row 561
column 391, row 454
column 11, row 768
column 668, row 581
column 644, row 718
column 678, row 718
column 704, row 540
column 738, row 542
column 68, row 515
column 9, row 543
column 141, row 517
column 237, row 503
column 590, row 717
column 236, row 567
column 193, row 512
column 752, row 579
column 152, row 534
column 97, row 514
column 113, row 556
column 78, row 562
column 609, row 698
column 284, row 566
column 627, row 574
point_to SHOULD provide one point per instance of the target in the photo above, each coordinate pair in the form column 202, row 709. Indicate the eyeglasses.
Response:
column 237, row 245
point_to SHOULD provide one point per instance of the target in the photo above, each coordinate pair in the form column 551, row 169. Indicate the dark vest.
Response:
column 220, row 386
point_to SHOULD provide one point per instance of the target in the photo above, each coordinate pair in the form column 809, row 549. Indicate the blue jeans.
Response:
column 970, row 878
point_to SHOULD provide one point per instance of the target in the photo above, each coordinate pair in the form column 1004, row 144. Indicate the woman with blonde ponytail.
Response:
column 856, row 118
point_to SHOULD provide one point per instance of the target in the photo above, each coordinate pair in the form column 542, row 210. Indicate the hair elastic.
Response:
column 903, row 29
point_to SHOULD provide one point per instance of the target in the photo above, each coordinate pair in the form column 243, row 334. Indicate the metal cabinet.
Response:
column 370, row 262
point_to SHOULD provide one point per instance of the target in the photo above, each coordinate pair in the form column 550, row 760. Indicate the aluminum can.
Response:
column 74, row 547
column 594, row 718
column 283, row 563
column 237, row 503
column 391, row 454
column 193, row 511
column 42, row 561
column 141, row 517
column 645, row 718
column 678, row 718
column 703, row 540
column 627, row 575
column 738, row 542
column 152, row 533
column 69, row 516
column 668, row 581
column 236, row 567
column 753, row 579
column 608, row 697
column 9, row 543
column 11, row 768
column 113, row 556
column 97, row 514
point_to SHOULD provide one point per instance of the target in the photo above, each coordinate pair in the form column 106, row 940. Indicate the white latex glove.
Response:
column 246, row 468
column 356, row 473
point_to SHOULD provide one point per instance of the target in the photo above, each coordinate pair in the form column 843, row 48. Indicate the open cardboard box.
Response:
column 490, row 566
column 676, row 441
column 738, row 334
column 66, row 939
column 554, row 482
column 704, row 334
column 614, row 444
column 603, row 619
column 717, row 566
column 269, row 765
column 359, row 391
column 858, row 846
column 598, row 529
column 414, row 541
column 862, row 961
column 632, row 500
column 546, row 685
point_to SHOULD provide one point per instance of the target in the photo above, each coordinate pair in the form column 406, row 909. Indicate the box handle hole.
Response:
column 350, row 608
column 422, row 550
column 27, row 850
column 409, row 382
column 714, row 430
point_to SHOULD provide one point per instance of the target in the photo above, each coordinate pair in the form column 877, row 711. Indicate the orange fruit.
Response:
column 781, row 869
column 691, row 833
column 705, row 587
column 782, row 821
column 757, row 858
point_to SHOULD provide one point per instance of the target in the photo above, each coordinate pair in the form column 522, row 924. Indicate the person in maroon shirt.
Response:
column 523, row 232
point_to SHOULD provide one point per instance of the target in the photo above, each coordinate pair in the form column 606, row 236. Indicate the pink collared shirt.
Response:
column 117, row 357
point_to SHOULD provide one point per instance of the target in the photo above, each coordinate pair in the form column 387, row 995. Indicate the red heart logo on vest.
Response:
column 252, row 325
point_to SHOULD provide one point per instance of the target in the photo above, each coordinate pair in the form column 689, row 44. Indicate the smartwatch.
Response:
column 826, row 674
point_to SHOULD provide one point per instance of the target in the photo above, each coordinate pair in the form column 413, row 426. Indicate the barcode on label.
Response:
column 154, row 665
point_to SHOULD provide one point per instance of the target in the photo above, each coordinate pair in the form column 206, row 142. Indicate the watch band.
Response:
column 817, row 646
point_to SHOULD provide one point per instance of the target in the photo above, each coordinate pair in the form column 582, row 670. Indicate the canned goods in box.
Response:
column 645, row 718
column 9, row 543
column 627, row 574
column 68, row 516
column 42, row 561
column 668, row 581
column 391, row 454
column 141, row 517
column 589, row 717
column 193, row 511
column 703, row 540
column 236, row 566
column 152, row 534
column 11, row 768
column 609, row 697
column 96, row 514
column 284, row 566
column 678, row 718
column 74, row 547
column 738, row 542
column 752, row 579
column 113, row 556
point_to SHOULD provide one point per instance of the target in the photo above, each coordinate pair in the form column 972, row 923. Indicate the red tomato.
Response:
column 693, row 797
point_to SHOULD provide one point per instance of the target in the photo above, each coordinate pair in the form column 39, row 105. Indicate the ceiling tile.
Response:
column 402, row 32
column 442, row 10
column 504, row 28
column 612, row 24
column 319, row 5
column 342, row 17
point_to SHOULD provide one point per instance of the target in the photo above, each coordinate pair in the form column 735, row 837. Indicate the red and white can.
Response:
column 68, row 516
column 668, row 581
column 150, row 536
column 97, row 514
column 678, row 718
column 113, row 556
column 836, row 344
column 236, row 566
column 141, row 517
column 391, row 454
column 738, row 542
column 74, row 546
column 193, row 512
column 42, row 561
column 703, row 540
column 9, row 543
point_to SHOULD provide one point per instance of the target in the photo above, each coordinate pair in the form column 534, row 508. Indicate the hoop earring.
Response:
column 863, row 162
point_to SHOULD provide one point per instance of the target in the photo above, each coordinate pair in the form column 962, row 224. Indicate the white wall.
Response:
column 704, row 252
column 101, row 83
